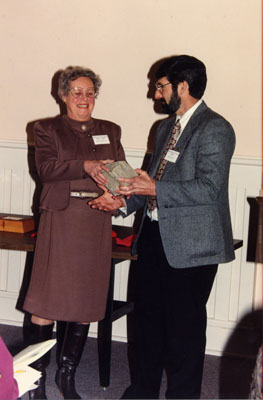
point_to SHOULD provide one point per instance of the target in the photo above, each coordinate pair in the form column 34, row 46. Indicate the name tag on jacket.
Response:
column 172, row 156
column 101, row 139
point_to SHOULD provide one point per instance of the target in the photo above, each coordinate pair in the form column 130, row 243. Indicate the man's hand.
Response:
column 142, row 184
column 94, row 168
column 107, row 202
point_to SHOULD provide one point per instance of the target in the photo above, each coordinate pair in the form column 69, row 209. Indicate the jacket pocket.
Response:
column 192, row 232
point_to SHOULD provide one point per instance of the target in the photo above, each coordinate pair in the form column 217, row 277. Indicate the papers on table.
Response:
column 25, row 375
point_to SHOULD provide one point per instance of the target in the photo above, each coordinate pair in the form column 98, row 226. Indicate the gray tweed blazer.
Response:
column 192, row 196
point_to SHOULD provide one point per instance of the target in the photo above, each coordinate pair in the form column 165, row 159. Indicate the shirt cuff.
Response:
column 123, row 211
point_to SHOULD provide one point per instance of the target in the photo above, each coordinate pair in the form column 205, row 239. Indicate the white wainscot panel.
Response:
column 232, row 296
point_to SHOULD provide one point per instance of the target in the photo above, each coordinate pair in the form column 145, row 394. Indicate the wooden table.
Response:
column 115, row 309
column 25, row 242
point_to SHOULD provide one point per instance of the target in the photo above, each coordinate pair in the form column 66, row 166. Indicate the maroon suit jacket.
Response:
column 55, row 147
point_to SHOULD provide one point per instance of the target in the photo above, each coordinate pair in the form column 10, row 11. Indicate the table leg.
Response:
column 104, row 335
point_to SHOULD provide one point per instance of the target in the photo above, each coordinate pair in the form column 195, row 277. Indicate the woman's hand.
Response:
column 94, row 168
column 142, row 184
column 107, row 202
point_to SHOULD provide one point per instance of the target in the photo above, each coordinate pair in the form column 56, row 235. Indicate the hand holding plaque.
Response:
column 117, row 169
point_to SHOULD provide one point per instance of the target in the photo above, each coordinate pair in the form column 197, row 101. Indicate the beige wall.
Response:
column 120, row 39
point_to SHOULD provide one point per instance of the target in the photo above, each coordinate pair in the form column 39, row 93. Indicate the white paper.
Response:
column 32, row 353
column 25, row 375
column 25, row 379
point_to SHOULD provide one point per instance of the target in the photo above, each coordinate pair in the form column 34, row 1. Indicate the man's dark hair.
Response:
column 184, row 68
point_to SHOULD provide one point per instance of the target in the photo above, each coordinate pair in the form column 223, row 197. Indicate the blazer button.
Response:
column 94, row 150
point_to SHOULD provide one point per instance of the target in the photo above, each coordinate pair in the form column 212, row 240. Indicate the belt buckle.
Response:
column 82, row 195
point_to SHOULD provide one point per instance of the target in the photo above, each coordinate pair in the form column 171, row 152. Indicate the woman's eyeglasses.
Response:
column 77, row 93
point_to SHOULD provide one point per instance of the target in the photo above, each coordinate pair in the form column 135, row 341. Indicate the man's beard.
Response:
column 173, row 105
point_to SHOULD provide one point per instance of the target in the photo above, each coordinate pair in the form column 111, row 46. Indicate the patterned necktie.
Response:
column 151, row 200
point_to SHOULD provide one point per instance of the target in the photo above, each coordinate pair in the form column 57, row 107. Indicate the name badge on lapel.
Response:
column 101, row 139
column 172, row 156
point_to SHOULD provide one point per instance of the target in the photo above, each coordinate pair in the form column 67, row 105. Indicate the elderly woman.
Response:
column 73, row 252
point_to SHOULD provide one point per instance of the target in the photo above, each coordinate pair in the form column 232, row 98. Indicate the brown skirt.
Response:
column 71, row 268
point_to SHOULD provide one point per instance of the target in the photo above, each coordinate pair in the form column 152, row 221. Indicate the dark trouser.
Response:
column 170, row 322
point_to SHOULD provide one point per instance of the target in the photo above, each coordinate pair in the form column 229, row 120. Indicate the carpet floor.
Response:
column 224, row 377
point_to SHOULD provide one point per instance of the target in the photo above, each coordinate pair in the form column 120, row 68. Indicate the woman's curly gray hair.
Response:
column 72, row 73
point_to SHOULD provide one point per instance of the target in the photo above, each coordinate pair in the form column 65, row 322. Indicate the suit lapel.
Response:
column 187, row 134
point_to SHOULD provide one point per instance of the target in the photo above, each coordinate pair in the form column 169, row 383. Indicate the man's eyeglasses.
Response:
column 160, row 86
column 77, row 93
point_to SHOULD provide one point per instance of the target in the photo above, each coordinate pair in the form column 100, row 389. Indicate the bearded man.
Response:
column 184, row 234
